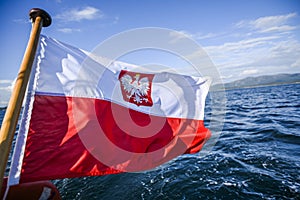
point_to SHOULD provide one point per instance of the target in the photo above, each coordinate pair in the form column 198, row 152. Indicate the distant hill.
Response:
column 259, row 81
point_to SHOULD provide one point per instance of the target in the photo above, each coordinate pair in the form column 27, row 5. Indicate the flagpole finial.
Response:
column 35, row 12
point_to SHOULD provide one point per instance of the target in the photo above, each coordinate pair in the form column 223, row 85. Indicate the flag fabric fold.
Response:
column 83, row 118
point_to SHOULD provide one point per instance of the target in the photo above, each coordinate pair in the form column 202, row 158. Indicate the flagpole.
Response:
column 39, row 18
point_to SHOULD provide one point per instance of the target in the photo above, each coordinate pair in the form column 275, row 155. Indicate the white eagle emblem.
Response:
column 136, row 89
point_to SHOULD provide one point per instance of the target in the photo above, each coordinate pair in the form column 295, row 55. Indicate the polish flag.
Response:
column 84, row 118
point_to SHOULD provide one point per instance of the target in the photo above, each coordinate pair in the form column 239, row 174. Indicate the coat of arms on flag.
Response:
column 136, row 87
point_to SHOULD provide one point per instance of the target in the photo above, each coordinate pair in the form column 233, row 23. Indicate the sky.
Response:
column 242, row 37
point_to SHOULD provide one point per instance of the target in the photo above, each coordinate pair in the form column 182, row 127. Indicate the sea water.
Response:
column 257, row 156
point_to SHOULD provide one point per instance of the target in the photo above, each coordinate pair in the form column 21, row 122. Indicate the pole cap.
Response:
column 35, row 12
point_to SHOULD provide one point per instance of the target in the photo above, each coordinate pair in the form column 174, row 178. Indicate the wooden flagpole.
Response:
column 40, row 18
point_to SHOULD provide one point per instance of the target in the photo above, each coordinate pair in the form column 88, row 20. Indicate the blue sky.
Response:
column 242, row 37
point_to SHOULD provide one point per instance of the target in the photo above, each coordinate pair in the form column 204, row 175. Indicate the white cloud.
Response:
column 266, row 45
column 6, row 81
column 196, row 36
column 249, row 72
column 256, row 56
column 21, row 21
column 68, row 30
column 272, row 21
column 3, row 103
column 296, row 63
column 242, row 44
column 5, row 91
column 116, row 20
column 201, row 36
column 8, row 88
column 284, row 28
column 179, row 35
column 277, row 23
column 87, row 13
